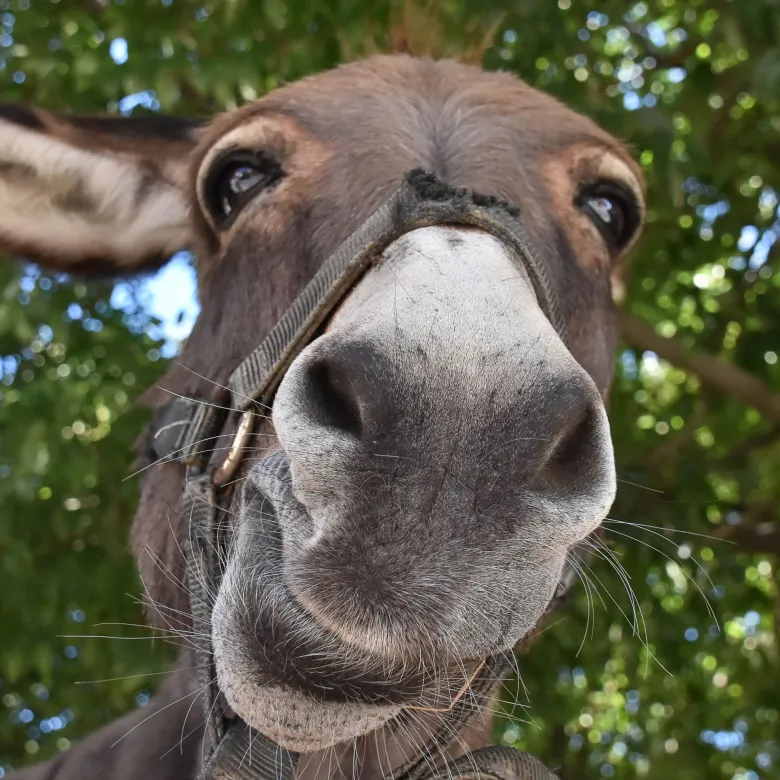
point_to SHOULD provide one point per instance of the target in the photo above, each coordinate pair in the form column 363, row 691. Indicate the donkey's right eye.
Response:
column 236, row 179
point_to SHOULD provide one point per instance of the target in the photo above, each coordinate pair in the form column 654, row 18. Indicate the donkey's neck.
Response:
column 162, row 741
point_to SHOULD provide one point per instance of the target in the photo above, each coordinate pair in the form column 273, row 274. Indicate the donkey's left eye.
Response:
column 236, row 179
column 613, row 210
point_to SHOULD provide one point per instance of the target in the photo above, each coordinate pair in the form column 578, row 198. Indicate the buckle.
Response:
column 230, row 465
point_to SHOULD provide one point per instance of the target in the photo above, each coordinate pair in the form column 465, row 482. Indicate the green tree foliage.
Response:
column 680, row 679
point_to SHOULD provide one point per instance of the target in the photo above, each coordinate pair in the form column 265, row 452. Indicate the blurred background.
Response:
column 669, row 669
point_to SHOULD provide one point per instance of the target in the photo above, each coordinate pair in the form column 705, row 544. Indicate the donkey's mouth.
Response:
column 262, row 628
column 279, row 667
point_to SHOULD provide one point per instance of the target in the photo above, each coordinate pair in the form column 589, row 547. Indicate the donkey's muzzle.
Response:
column 439, row 418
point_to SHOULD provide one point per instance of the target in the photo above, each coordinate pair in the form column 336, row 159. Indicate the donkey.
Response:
column 409, row 500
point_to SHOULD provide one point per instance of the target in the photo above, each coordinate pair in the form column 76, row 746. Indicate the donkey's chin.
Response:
column 292, row 718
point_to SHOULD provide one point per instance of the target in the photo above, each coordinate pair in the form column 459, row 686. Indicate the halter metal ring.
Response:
column 233, row 460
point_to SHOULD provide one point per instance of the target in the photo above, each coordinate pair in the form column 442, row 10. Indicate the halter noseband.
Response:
column 186, row 431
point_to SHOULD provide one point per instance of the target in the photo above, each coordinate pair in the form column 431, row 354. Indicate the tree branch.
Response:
column 718, row 374
column 761, row 538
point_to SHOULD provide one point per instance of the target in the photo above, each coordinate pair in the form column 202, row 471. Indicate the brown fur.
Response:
column 345, row 139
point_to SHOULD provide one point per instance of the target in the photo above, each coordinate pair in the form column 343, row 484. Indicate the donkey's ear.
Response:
column 105, row 195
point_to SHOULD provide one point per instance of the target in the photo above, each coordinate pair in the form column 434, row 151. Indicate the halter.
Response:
column 186, row 431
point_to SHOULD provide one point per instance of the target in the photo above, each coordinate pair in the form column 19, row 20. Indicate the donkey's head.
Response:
column 436, row 451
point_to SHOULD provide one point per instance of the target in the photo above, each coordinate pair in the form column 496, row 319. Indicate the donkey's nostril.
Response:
column 330, row 396
column 578, row 445
column 337, row 386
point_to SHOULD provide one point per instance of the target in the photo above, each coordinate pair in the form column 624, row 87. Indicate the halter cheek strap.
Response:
column 187, row 430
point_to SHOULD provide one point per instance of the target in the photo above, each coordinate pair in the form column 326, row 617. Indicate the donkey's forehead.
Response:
column 402, row 104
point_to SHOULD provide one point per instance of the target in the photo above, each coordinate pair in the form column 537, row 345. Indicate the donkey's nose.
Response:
column 345, row 397
column 343, row 387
